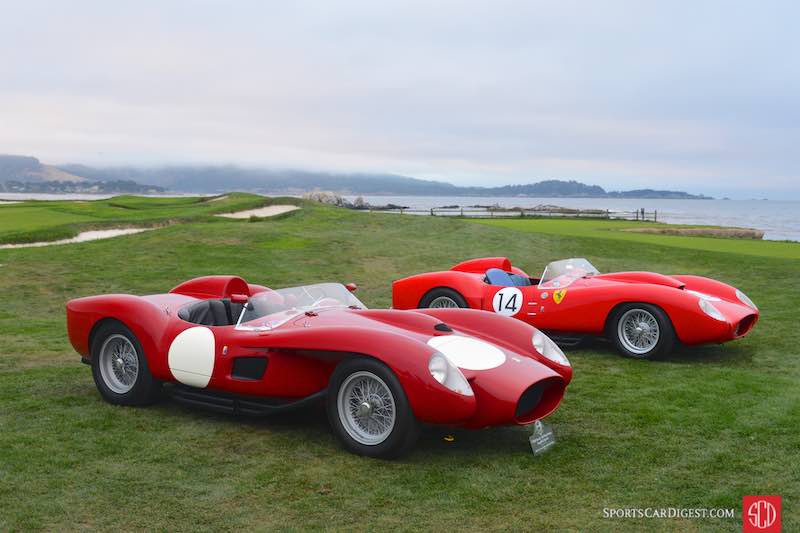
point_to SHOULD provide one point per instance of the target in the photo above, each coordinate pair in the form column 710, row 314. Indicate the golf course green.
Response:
column 699, row 429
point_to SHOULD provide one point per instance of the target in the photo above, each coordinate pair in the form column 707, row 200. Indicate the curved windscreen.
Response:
column 562, row 273
column 270, row 309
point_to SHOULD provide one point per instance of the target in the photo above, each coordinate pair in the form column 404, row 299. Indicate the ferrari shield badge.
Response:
column 542, row 438
column 559, row 295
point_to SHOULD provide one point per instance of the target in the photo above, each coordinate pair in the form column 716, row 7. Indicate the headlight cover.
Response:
column 545, row 346
column 745, row 300
column 709, row 309
column 449, row 375
column 704, row 296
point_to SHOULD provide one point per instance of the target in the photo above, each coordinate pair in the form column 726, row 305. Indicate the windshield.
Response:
column 562, row 273
column 270, row 309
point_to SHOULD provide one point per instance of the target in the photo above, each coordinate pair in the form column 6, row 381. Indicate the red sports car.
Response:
column 643, row 313
column 225, row 344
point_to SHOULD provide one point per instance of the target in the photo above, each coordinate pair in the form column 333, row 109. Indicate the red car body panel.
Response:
column 302, row 353
column 585, row 305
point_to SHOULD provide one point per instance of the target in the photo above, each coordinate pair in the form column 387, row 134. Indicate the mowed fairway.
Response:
column 698, row 430
column 51, row 220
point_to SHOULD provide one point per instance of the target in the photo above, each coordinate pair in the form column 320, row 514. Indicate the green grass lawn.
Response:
column 50, row 220
column 700, row 429
column 614, row 229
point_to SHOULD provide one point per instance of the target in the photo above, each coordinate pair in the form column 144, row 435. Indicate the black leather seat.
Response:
column 208, row 313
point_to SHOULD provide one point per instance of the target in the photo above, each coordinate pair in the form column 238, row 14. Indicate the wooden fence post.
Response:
column 462, row 210
column 655, row 215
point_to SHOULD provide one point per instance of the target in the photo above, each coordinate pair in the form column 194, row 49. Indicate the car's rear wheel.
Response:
column 368, row 409
column 642, row 331
column 442, row 298
column 119, row 367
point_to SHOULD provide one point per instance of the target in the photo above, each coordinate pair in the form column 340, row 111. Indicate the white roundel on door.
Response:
column 191, row 356
column 507, row 301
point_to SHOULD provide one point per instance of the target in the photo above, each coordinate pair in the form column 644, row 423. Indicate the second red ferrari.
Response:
column 643, row 313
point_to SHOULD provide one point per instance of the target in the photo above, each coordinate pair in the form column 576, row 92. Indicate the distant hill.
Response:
column 543, row 189
column 215, row 179
column 651, row 193
column 24, row 169
column 27, row 174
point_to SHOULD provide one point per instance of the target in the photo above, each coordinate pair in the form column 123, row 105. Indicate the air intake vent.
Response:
column 745, row 325
column 249, row 368
column 441, row 326
column 529, row 400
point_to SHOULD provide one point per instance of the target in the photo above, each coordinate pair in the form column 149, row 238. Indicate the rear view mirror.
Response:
column 239, row 298
column 352, row 287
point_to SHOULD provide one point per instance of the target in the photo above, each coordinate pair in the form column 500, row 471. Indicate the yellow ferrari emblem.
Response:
column 559, row 295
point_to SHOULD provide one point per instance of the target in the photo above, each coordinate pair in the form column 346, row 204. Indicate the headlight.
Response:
column 446, row 373
column 744, row 299
column 545, row 346
column 709, row 309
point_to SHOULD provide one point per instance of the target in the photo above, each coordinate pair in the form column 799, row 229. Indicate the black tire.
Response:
column 405, row 431
column 145, row 389
column 442, row 292
column 666, row 333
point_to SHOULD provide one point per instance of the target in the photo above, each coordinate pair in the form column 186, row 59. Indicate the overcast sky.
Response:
column 699, row 96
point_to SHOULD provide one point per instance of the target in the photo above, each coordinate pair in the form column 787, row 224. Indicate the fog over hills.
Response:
column 28, row 174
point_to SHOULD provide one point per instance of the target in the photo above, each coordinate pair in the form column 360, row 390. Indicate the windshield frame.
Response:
column 564, row 272
column 285, row 314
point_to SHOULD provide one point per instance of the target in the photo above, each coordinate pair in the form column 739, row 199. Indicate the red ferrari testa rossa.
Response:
column 232, row 346
column 643, row 313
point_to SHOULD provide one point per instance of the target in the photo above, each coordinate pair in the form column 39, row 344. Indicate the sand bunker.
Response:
column 81, row 237
column 4, row 202
column 269, row 211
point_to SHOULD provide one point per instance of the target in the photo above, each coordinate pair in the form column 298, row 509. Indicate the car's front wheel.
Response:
column 642, row 331
column 368, row 409
column 119, row 367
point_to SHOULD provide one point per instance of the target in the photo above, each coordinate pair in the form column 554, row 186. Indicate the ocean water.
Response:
column 779, row 220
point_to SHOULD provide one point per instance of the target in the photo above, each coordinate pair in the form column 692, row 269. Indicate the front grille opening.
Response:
column 745, row 325
column 539, row 400
column 529, row 400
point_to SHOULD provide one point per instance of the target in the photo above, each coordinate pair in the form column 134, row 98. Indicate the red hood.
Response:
column 651, row 278
column 514, row 388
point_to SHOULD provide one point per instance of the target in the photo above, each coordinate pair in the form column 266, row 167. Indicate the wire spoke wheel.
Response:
column 638, row 331
column 443, row 302
column 366, row 408
column 119, row 363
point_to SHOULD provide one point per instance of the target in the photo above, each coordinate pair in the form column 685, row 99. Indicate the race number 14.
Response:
column 507, row 301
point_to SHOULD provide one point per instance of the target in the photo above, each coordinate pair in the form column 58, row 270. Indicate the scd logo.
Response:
column 761, row 514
